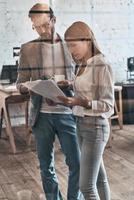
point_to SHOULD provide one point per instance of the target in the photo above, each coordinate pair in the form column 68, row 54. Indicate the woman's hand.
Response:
column 50, row 102
column 73, row 101
column 69, row 101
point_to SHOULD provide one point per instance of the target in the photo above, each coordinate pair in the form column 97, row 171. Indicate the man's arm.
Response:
column 24, row 72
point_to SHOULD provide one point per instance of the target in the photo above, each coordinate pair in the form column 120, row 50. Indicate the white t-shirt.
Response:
column 53, row 60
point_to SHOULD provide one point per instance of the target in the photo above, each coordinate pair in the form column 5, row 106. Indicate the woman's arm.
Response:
column 73, row 101
column 105, row 90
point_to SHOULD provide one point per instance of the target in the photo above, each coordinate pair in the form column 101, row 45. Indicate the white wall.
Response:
column 111, row 20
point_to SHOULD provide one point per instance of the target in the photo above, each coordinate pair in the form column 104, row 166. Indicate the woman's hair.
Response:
column 80, row 31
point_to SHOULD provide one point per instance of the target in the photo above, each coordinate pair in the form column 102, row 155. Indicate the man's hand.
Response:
column 64, row 84
column 32, row 93
column 23, row 89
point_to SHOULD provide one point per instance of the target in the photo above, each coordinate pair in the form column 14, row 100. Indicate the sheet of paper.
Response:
column 46, row 88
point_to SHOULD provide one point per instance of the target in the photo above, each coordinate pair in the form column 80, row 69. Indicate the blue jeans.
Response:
column 45, row 130
column 93, row 134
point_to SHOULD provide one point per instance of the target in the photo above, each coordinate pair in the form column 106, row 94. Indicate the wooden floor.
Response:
column 21, row 171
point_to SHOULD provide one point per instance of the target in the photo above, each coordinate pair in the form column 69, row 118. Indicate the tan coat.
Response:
column 31, row 68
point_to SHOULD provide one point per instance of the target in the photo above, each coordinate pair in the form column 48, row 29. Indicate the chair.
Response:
column 13, row 97
column 118, row 112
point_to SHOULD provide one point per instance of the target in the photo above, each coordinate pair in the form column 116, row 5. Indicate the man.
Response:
column 48, row 57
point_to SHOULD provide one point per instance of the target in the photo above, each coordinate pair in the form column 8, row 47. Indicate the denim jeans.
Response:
column 93, row 134
column 64, row 126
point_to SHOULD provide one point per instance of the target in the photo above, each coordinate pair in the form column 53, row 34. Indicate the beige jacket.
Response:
column 31, row 64
column 96, row 84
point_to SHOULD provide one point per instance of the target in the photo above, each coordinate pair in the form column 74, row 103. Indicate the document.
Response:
column 46, row 88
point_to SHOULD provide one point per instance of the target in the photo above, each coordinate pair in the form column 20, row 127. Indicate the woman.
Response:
column 93, row 104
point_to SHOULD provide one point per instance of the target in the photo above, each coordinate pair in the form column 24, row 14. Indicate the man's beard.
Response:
column 49, row 34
